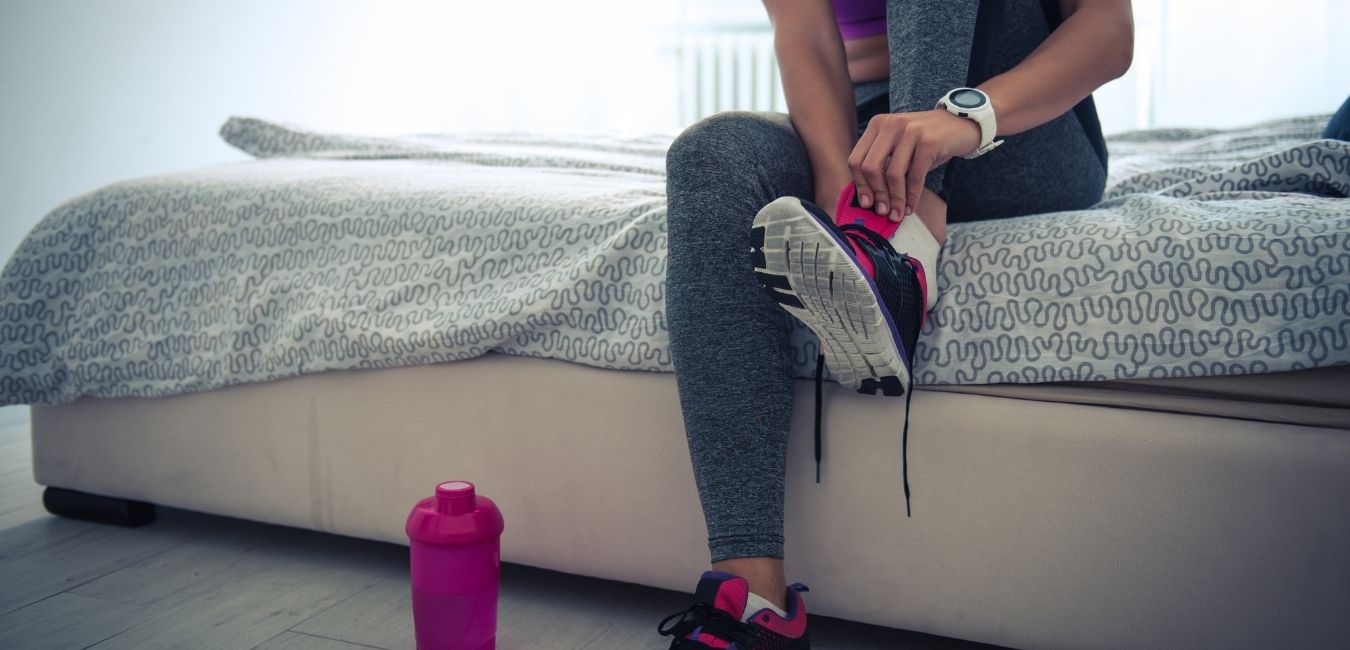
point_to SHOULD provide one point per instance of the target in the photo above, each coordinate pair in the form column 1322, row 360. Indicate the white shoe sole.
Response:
column 810, row 273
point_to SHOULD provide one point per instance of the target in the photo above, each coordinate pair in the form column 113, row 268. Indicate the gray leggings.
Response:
column 729, row 341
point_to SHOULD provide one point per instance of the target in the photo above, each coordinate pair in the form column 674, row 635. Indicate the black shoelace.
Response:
column 714, row 621
column 885, row 259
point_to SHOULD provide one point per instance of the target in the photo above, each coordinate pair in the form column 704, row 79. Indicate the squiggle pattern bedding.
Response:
column 1213, row 253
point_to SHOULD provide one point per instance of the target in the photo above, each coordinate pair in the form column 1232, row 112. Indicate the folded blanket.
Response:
column 1214, row 253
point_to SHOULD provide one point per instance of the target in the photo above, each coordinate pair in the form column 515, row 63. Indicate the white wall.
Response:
column 98, row 91
column 1230, row 62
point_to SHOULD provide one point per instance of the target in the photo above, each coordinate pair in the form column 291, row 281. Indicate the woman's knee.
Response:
column 733, row 142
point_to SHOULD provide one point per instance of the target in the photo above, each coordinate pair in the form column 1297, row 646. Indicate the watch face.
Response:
column 967, row 98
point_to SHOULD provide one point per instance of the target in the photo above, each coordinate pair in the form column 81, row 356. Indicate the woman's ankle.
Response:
column 764, row 575
column 932, row 211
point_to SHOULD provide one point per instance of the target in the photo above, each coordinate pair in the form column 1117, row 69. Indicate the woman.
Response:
column 863, row 81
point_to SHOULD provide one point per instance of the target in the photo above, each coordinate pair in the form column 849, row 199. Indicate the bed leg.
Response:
column 97, row 508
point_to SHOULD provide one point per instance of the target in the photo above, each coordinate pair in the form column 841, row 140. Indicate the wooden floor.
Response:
column 191, row 580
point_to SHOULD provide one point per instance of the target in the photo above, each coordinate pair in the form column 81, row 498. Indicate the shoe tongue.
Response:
column 723, row 591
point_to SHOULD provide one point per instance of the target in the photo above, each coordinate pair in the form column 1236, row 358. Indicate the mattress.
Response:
column 1035, row 524
column 1214, row 253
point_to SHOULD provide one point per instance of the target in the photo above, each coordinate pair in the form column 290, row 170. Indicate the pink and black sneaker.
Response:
column 715, row 619
column 865, row 301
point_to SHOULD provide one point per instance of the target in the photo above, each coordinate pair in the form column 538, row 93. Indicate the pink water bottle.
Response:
column 456, row 568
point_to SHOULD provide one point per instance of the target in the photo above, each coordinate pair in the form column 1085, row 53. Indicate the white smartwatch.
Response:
column 974, row 105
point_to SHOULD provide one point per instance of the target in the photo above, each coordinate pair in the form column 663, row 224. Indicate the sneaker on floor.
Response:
column 715, row 620
column 864, row 301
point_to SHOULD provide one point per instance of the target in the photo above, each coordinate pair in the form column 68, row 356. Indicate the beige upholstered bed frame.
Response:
column 1036, row 523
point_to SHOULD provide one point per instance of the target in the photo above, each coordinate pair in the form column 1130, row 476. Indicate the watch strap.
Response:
column 983, row 149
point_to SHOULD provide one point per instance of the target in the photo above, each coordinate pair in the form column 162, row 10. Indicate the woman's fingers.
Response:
column 874, row 172
column 855, row 161
column 892, row 159
column 901, row 159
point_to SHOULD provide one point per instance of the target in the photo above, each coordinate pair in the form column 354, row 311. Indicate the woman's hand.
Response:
column 897, row 151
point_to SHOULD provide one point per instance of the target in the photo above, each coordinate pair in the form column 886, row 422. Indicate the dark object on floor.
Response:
column 97, row 508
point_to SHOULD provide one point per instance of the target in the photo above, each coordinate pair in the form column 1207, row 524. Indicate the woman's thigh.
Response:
column 1050, row 168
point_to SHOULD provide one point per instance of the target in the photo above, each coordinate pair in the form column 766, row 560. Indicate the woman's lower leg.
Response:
column 728, row 340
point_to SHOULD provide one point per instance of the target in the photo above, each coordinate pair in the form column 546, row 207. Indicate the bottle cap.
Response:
column 457, row 514
column 454, row 497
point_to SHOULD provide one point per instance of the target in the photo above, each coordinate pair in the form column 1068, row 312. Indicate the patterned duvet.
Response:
column 1213, row 253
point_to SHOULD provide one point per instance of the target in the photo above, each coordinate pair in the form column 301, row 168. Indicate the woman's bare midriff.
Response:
column 869, row 58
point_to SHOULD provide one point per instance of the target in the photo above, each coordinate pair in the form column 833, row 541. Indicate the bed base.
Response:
column 97, row 508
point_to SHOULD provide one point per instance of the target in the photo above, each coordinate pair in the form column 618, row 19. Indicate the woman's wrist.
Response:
column 1006, row 115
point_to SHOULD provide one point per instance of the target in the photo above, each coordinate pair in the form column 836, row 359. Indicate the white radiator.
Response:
column 728, row 69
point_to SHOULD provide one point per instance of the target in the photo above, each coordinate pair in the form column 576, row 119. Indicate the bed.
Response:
column 1133, row 427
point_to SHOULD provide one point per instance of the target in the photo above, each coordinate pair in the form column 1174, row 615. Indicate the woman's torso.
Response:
column 869, row 58
column 862, row 25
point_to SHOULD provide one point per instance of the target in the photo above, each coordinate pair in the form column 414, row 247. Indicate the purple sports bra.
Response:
column 859, row 18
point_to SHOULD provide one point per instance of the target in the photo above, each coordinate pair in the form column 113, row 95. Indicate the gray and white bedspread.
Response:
column 1214, row 253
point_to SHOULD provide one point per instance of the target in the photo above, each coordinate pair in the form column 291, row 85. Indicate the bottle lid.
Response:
column 455, row 515
column 454, row 497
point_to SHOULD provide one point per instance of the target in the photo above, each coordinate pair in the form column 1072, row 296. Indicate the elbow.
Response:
column 1121, row 54
column 1111, row 25
column 1124, row 53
